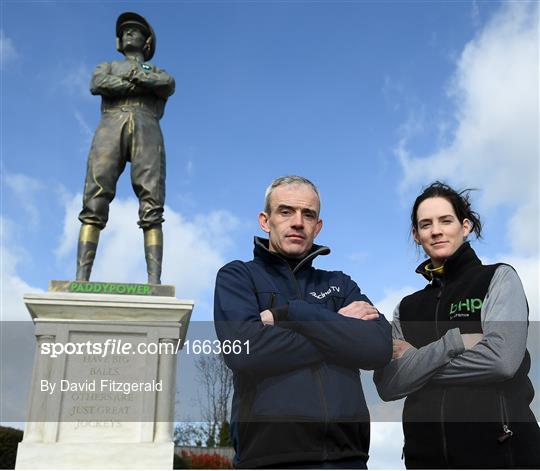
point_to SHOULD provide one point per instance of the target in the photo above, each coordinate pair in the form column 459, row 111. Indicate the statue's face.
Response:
column 133, row 39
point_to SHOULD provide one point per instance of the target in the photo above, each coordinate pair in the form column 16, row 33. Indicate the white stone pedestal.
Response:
column 96, row 422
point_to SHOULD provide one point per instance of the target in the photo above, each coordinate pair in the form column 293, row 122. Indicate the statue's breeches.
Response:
column 125, row 135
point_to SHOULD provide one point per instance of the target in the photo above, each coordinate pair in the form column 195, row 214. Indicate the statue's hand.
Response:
column 125, row 69
column 138, row 76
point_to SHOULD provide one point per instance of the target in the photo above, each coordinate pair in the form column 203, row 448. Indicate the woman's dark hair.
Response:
column 459, row 201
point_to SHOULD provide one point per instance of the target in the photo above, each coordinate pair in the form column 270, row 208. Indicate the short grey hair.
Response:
column 287, row 180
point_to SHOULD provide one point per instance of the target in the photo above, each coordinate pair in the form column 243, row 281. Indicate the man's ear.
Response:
column 263, row 222
column 318, row 227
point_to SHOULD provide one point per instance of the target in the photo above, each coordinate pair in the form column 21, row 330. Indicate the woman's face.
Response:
column 438, row 230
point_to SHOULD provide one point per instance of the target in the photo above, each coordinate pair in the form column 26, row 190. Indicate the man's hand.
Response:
column 359, row 310
column 399, row 347
column 267, row 317
column 470, row 340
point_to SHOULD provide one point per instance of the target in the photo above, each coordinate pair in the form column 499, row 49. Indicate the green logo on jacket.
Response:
column 465, row 307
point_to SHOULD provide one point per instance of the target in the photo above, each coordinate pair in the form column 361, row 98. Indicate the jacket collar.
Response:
column 462, row 259
column 262, row 252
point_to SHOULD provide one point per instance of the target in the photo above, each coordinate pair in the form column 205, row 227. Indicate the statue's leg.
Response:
column 105, row 164
column 153, row 253
column 86, row 251
column 148, row 180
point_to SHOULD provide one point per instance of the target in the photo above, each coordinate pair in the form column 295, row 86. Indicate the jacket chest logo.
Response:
column 464, row 308
column 323, row 294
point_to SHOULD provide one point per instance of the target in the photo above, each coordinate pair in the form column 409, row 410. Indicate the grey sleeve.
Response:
column 415, row 368
column 504, row 323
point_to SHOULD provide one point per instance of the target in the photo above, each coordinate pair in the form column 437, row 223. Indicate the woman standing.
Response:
column 460, row 353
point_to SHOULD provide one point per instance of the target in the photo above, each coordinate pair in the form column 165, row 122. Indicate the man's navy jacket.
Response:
column 297, row 392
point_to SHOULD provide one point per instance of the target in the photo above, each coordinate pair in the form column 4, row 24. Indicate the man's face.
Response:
column 293, row 221
column 133, row 38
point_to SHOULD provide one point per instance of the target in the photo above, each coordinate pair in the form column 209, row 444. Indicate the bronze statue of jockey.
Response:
column 133, row 96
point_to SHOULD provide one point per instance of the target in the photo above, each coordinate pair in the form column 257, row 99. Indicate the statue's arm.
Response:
column 156, row 80
column 105, row 83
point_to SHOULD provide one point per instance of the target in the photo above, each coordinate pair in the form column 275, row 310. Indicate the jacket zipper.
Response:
column 296, row 284
column 439, row 294
column 319, row 380
column 506, row 432
column 325, row 410
column 318, row 370
column 443, row 430
column 309, row 257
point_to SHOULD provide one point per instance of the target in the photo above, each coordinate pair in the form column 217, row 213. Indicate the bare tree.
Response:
column 189, row 434
column 216, row 381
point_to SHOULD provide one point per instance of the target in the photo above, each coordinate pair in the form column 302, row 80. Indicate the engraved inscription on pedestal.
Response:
column 96, row 404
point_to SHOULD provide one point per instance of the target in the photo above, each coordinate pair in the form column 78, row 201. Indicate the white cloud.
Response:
column 528, row 270
column 495, row 144
column 12, row 286
column 393, row 92
column 521, row 230
column 391, row 299
column 193, row 249
column 475, row 12
column 85, row 128
column 190, row 167
column 8, row 52
column 386, row 446
column 77, row 81
column 72, row 207
column 359, row 256
column 26, row 190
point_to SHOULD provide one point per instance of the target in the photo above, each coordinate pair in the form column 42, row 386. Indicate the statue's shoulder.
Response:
column 121, row 63
column 103, row 65
column 121, row 67
column 158, row 70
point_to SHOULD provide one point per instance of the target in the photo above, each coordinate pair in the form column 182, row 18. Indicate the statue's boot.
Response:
column 153, row 252
column 86, row 251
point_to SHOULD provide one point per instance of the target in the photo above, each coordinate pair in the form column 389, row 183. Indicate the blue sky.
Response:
column 370, row 100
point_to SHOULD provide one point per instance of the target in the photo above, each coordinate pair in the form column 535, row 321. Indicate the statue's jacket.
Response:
column 464, row 409
column 112, row 81
column 297, row 391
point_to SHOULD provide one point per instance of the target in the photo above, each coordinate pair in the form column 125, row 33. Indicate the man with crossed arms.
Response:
column 298, row 400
